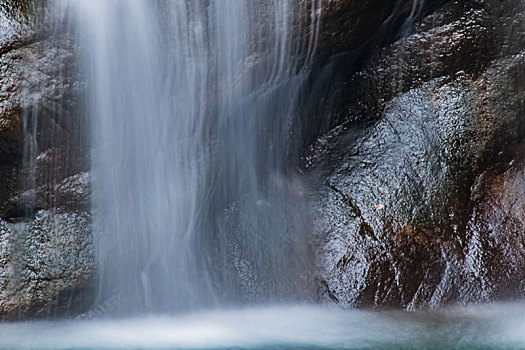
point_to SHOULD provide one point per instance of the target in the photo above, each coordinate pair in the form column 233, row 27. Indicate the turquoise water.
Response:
column 499, row 326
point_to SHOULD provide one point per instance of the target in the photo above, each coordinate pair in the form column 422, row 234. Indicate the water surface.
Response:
column 285, row 327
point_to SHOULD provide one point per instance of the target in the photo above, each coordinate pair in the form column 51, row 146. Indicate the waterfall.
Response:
column 196, row 199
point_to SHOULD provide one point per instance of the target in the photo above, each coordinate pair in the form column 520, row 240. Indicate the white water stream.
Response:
column 196, row 201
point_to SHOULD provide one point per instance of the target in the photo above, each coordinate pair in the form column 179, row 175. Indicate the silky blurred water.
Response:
column 499, row 326
column 196, row 201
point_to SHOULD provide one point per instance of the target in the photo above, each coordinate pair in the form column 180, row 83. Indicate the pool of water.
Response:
column 498, row 326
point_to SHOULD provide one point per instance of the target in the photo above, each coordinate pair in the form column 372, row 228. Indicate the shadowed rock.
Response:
column 46, row 258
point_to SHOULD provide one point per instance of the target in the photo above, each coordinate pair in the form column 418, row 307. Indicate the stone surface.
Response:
column 46, row 265
column 359, row 25
column 40, row 132
column 46, row 257
column 421, row 164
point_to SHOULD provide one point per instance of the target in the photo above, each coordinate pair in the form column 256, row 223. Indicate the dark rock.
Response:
column 11, row 137
column 421, row 166
column 46, row 257
column 350, row 25
column 461, row 37
column 41, row 137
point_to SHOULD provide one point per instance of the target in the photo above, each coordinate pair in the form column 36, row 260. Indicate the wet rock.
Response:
column 462, row 37
column 421, row 164
column 40, row 133
column 358, row 25
column 46, row 265
column 46, row 258
column 73, row 194
column 495, row 233
column 11, row 137
column 55, row 164
column 254, row 249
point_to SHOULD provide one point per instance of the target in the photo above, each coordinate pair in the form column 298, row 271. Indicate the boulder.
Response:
column 46, row 265
column 420, row 164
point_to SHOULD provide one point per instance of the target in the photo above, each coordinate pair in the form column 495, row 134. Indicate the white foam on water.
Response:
column 487, row 326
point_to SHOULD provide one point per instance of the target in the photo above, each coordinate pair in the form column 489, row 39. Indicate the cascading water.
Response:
column 195, row 200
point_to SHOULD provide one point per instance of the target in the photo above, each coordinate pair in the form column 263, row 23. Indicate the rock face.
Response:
column 414, row 130
column 45, row 265
column 421, row 167
column 358, row 25
column 46, row 258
